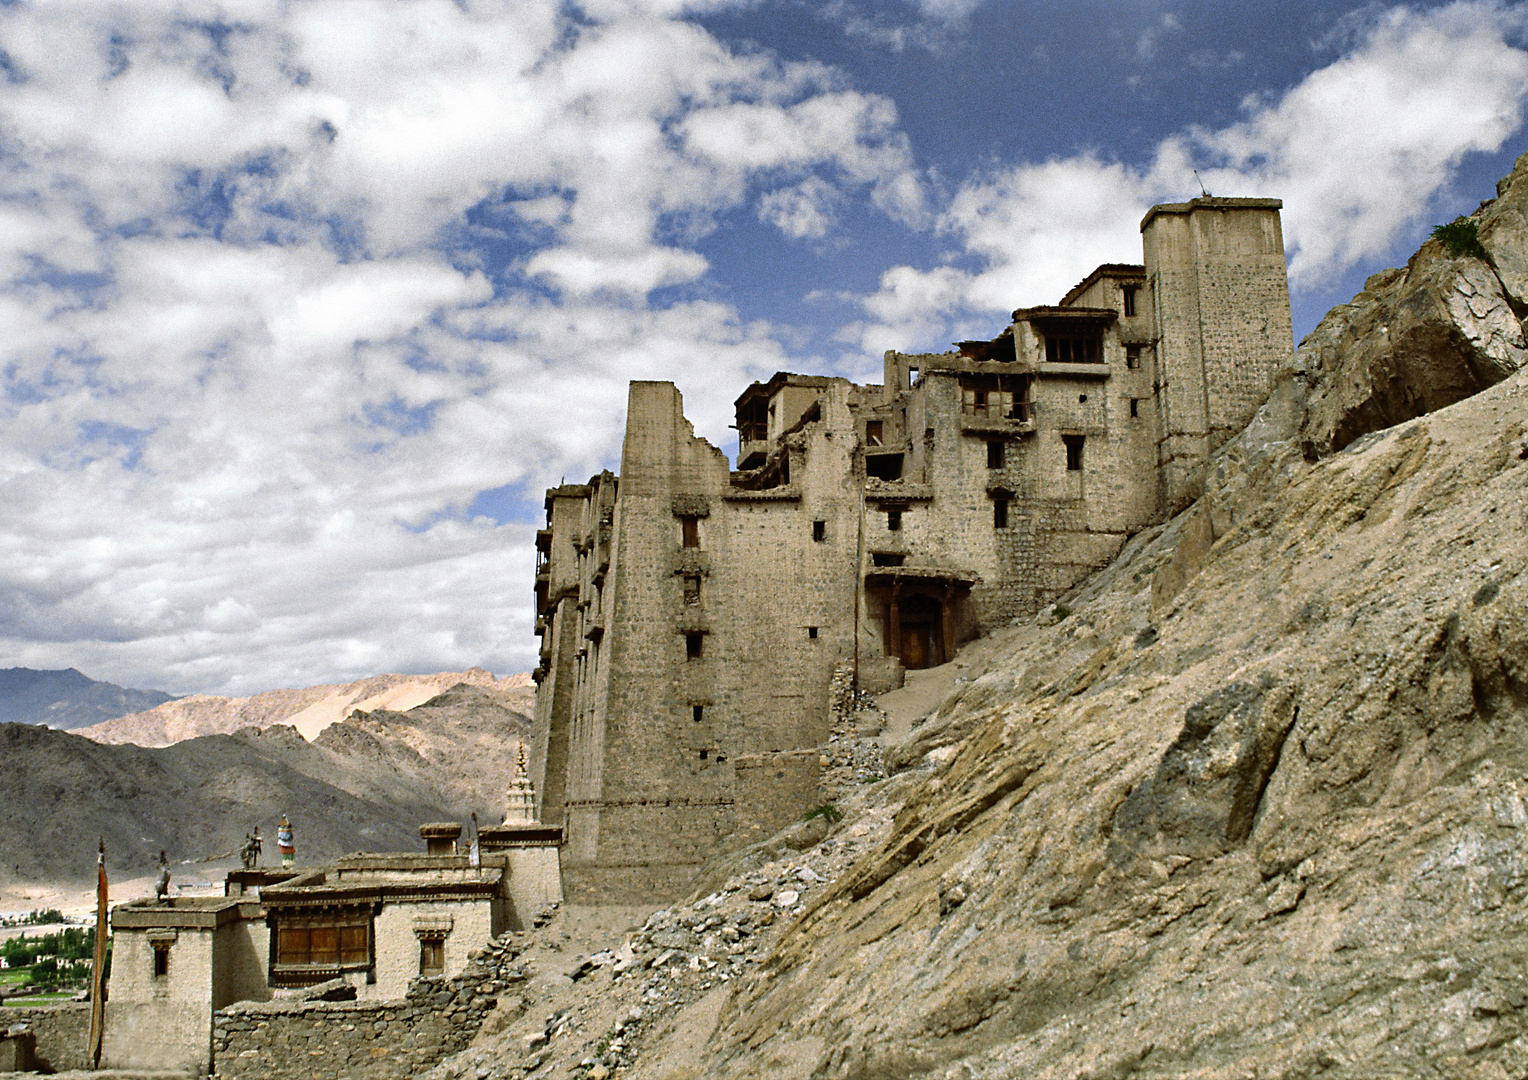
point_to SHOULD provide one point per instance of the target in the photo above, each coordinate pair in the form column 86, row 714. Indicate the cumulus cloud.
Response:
column 1359, row 151
column 287, row 290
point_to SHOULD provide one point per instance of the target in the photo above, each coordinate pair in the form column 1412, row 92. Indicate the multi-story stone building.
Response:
column 692, row 614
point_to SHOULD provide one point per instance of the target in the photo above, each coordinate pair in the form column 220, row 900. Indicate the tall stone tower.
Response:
column 1220, row 302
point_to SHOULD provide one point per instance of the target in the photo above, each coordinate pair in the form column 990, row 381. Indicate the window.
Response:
column 432, row 955
column 1128, row 296
column 1000, row 513
column 1074, row 347
column 1132, row 356
column 884, row 466
column 161, row 958
column 912, row 376
column 705, row 754
column 873, row 432
column 694, row 644
column 886, row 558
column 691, row 589
column 697, row 713
column 1082, row 399
column 894, row 520
column 811, row 632
column 1073, row 452
column 1135, row 406
column 995, row 454
column 323, row 945
column 819, row 531
column 689, row 528
column 985, row 402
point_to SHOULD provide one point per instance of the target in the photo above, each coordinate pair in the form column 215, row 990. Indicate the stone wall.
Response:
column 370, row 1040
column 62, row 1031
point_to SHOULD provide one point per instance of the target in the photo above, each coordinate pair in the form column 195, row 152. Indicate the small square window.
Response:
column 692, row 589
column 704, row 755
column 811, row 632
column 1000, row 513
column 694, row 645
column 995, row 454
column 886, row 558
column 819, row 530
column 894, row 520
column 1132, row 356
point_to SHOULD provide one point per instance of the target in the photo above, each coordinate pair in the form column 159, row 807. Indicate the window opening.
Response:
column 432, row 955
column 1132, row 356
column 697, row 713
column 894, row 520
column 1073, row 452
column 1082, row 399
column 912, row 376
column 689, row 527
column 811, row 632
column 704, row 754
column 322, row 945
column 995, row 454
column 1135, row 406
column 819, row 530
column 1000, row 513
column 873, row 430
column 886, row 558
column 692, row 589
column 161, row 959
column 694, row 644
column 884, row 466
column 1128, row 292
column 1074, row 349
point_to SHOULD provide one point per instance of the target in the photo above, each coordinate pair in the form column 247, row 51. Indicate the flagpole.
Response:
column 98, row 972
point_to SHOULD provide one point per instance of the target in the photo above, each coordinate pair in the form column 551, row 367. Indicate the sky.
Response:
column 305, row 304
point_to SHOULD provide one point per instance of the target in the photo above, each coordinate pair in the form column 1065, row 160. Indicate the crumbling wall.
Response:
column 62, row 1033
column 371, row 1040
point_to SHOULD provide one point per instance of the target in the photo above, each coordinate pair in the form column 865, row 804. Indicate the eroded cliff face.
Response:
column 1255, row 806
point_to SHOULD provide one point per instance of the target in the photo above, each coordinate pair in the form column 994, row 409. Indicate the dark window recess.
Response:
column 1075, row 349
column 894, row 520
column 1082, row 399
column 1135, row 406
column 432, row 956
column 995, row 454
column 697, row 713
column 694, row 645
column 886, row 558
column 811, row 632
column 1073, row 452
column 1128, row 292
column 1000, row 513
column 884, row 466
column 161, row 959
column 873, row 430
column 704, row 754
column 819, row 530
column 1132, row 356
column 691, row 589
column 689, row 526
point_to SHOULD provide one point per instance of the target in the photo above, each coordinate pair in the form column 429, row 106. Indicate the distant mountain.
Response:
column 364, row 784
column 309, row 710
column 67, row 699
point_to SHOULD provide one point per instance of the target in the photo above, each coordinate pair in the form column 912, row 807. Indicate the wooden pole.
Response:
column 98, row 969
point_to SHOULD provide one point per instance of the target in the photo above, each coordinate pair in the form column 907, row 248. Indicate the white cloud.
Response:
column 802, row 211
column 1358, row 151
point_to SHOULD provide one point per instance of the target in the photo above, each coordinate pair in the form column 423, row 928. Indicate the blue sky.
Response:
column 306, row 303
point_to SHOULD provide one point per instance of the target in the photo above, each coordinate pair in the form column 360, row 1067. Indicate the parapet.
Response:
column 1210, row 202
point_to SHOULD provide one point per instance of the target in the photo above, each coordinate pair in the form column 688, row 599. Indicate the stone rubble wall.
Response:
column 374, row 1040
column 62, row 1033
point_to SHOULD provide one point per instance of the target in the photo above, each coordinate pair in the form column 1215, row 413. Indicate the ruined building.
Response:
column 692, row 614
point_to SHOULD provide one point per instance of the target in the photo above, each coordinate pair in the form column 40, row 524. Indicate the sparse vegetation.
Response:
column 1460, row 238
column 827, row 811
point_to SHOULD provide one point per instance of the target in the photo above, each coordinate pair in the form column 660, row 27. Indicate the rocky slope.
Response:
column 67, row 699
column 1249, row 803
column 365, row 783
column 308, row 710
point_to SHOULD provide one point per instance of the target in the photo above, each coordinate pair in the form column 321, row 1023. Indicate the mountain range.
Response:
column 66, row 699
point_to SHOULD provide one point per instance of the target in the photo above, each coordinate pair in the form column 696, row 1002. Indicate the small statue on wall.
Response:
column 162, row 886
column 249, row 854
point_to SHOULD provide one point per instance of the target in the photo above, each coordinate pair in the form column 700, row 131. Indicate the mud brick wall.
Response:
column 373, row 1040
column 62, row 1033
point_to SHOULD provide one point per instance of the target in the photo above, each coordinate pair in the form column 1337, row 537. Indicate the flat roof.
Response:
column 184, row 912
column 1210, row 202
column 1107, row 270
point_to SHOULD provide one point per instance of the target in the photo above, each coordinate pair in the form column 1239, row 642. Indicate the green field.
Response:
column 36, row 999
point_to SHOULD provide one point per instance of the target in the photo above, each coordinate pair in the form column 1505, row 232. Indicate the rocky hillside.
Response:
column 66, row 699
column 365, row 783
column 308, row 710
column 1252, row 801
